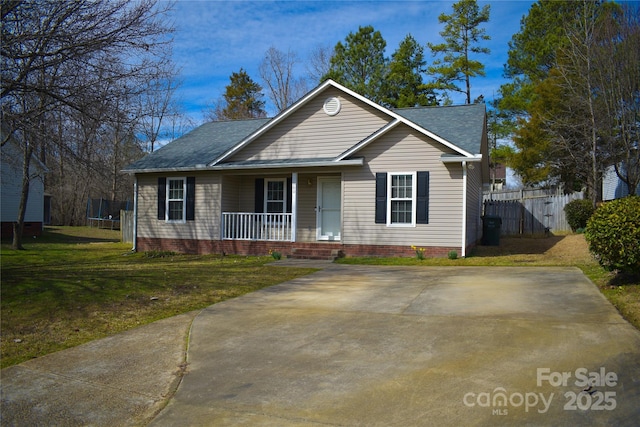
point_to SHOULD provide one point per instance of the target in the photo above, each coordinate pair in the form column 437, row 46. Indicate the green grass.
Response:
column 77, row 284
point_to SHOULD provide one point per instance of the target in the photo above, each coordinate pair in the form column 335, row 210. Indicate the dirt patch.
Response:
column 572, row 249
column 561, row 250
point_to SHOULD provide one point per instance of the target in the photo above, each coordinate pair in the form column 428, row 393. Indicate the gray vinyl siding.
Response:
column 206, row 225
column 310, row 133
column 231, row 190
column 474, row 204
column 400, row 150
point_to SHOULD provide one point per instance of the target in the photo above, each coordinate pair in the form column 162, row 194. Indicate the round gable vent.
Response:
column 332, row 106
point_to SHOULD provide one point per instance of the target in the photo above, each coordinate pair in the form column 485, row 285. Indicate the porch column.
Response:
column 294, row 205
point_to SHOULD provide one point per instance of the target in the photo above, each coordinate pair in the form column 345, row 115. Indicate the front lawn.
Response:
column 77, row 284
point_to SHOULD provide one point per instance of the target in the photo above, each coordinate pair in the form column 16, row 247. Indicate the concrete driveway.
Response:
column 387, row 346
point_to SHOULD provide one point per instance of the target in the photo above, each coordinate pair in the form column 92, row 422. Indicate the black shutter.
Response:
column 381, row 198
column 289, row 194
column 191, row 198
column 162, row 197
column 422, row 204
column 259, row 196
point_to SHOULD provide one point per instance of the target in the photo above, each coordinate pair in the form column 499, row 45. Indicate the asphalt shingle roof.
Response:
column 461, row 125
column 200, row 146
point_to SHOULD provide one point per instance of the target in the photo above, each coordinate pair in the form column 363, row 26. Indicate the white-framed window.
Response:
column 275, row 195
column 401, row 200
column 176, row 199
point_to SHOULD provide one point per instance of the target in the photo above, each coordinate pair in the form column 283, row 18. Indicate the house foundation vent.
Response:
column 332, row 106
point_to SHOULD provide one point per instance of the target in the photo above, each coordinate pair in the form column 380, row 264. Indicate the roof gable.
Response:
column 311, row 132
column 218, row 145
column 461, row 125
column 424, row 116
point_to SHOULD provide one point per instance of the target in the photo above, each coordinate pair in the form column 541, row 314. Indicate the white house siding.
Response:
column 410, row 153
column 474, row 204
column 11, row 187
column 310, row 133
column 612, row 185
column 207, row 209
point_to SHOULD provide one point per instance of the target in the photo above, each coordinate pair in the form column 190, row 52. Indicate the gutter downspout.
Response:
column 135, row 213
column 464, row 210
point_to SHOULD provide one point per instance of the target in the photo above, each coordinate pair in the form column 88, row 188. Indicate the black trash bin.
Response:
column 491, row 227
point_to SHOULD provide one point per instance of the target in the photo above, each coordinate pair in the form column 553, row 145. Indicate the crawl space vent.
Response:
column 332, row 106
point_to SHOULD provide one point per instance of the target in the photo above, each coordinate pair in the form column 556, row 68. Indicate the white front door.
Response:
column 328, row 208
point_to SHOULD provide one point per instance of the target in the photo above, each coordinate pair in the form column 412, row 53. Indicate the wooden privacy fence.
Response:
column 530, row 215
column 126, row 226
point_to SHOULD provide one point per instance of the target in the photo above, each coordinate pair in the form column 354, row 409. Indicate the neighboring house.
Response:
column 334, row 174
column 11, row 188
column 612, row 186
column 498, row 177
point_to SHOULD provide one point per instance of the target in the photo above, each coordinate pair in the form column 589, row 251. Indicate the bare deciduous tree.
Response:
column 57, row 58
column 319, row 63
column 277, row 73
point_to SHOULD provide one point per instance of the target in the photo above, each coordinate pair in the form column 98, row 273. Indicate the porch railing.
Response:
column 256, row 226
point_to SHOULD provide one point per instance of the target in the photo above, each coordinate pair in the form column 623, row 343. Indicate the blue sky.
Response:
column 216, row 38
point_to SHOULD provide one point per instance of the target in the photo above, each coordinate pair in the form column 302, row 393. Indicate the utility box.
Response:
column 491, row 228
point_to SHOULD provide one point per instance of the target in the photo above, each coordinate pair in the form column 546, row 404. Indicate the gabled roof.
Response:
column 446, row 123
column 209, row 146
column 198, row 147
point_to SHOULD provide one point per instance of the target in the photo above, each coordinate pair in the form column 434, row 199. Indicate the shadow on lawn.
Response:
column 518, row 246
column 66, row 235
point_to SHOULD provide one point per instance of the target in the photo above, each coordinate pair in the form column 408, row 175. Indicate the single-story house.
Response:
column 11, row 188
column 333, row 174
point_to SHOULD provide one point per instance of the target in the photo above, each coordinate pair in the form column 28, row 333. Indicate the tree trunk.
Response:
column 18, row 225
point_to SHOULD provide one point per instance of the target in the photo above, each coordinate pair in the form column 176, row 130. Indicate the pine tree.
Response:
column 242, row 98
column 360, row 64
column 405, row 85
column 462, row 35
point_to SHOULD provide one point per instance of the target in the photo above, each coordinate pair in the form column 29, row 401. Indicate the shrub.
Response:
column 578, row 213
column 453, row 255
column 613, row 234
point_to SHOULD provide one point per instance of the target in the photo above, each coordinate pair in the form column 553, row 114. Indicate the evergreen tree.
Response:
column 405, row 85
column 462, row 35
column 360, row 64
column 242, row 99
column 532, row 52
column 574, row 94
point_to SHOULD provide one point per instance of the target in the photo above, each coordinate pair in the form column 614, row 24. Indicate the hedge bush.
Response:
column 613, row 234
column 578, row 213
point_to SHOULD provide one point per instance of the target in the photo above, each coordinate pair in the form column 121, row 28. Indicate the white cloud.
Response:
column 215, row 38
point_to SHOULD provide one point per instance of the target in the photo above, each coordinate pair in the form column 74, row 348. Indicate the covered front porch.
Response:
column 282, row 207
